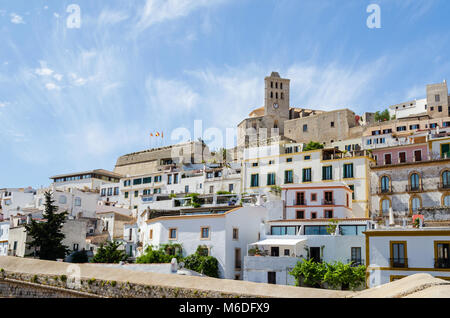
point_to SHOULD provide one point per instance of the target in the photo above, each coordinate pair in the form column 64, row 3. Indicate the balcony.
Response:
column 385, row 190
column 414, row 188
column 398, row 262
column 441, row 263
column 444, row 186
column 328, row 202
column 301, row 202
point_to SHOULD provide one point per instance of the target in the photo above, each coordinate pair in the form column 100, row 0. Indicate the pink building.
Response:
column 331, row 200
column 401, row 154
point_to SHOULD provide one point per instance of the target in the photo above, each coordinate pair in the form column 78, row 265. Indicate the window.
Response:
column 254, row 180
column 356, row 256
column 77, row 201
column 305, row 128
column 211, row 189
column 401, row 128
column 151, row 234
column 157, row 179
column 446, row 200
column 398, row 254
column 412, row 127
column 62, row 199
column 75, row 247
column 402, row 157
column 385, row 184
column 127, row 183
column 204, row 233
column 328, row 198
column 288, row 159
column 172, row 234
column 437, row 98
column 316, row 230
column 271, row 178
column 287, row 252
column 235, row 234
column 415, row 204
column 352, row 229
column 446, row 179
column 116, row 191
column 136, row 194
column 254, row 164
column 441, row 254
column 348, row 170
column 414, row 181
column 186, row 189
column 313, row 196
column 327, row 173
column 288, row 176
column 313, row 215
column 283, row 230
column 231, row 187
column 300, row 214
column 157, row 191
column 175, row 178
column 332, row 124
column 103, row 193
column 352, row 187
column 306, row 175
column 433, row 125
column 307, row 158
column 169, row 179
column 385, row 205
column 300, row 196
column 110, row 190
column 288, row 150
column 137, row 181
column 126, row 195
column 237, row 259
column 387, row 159
column 147, row 180
column 440, row 109
column 328, row 214
column 271, row 162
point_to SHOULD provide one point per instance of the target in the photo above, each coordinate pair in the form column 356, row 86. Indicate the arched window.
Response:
column 414, row 181
column 446, row 201
column 281, row 85
column 276, row 95
column 385, row 205
column 446, row 179
column 271, row 94
column 385, row 184
column 415, row 204
column 275, row 124
column 281, row 95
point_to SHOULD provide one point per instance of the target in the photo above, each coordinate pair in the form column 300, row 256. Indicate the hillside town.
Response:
column 368, row 189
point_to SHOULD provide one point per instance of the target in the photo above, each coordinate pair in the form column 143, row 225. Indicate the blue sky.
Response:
column 76, row 99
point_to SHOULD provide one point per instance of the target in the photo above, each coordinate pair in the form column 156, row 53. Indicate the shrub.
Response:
column 162, row 255
column 207, row 265
column 313, row 145
column 110, row 253
column 63, row 278
column 80, row 257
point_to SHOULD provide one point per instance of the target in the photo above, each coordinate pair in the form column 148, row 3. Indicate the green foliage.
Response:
column 195, row 200
column 91, row 281
column 110, row 253
column 172, row 195
column 313, row 145
column 337, row 275
column 383, row 116
column 331, row 228
column 34, row 279
column 207, row 265
column 80, row 257
column 275, row 189
column 63, row 278
column 113, row 283
column 223, row 192
column 164, row 254
column 47, row 236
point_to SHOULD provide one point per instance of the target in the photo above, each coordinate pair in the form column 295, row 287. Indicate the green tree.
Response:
column 164, row 254
column 110, row 253
column 382, row 116
column 47, row 236
column 80, row 257
column 313, row 145
column 311, row 272
column 331, row 228
column 207, row 265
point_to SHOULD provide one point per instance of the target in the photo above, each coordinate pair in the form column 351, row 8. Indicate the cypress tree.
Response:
column 47, row 235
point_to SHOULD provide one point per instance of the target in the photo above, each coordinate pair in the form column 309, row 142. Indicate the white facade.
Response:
column 282, row 165
column 4, row 235
column 406, row 109
column 229, row 235
column 12, row 200
column 327, row 201
column 75, row 234
column 398, row 252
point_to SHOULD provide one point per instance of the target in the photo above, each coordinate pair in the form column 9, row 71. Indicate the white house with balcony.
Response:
column 224, row 235
column 396, row 252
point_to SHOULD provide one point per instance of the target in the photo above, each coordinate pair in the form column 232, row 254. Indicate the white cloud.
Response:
column 111, row 17
column 58, row 77
column 52, row 86
column 44, row 70
column 170, row 94
column 3, row 104
column 16, row 19
column 157, row 11
column 56, row 15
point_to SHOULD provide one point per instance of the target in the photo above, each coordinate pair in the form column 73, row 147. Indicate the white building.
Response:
column 88, row 180
column 282, row 164
column 414, row 107
column 4, row 235
column 393, row 253
column 14, row 199
column 224, row 235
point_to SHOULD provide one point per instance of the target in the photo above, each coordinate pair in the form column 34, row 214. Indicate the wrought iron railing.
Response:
column 398, row 262
column 441, row 263
column 414, row 188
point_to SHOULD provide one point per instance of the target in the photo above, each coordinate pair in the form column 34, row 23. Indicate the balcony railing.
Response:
column 328, row 202
column 398, row 262
column 444, row 186
column 300, row 202
column 414, row 188
column 441, row 263
column 384, row 190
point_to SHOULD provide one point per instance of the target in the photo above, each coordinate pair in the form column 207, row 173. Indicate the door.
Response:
column 402, row 156
column 387, row 159
column 274, row 251
column 442, row 260
column 271, row 277
column 314, row 254
column 418, row 155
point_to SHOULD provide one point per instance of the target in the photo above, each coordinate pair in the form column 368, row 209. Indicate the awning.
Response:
column 291, row 242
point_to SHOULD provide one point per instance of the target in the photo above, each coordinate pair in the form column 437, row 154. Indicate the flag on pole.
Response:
column 157, row 134
column 151, row 135
column 162, row 134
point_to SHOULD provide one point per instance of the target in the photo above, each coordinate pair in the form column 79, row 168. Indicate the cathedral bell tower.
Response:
column 276, row 101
